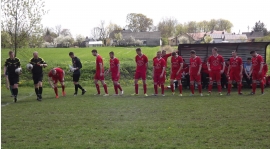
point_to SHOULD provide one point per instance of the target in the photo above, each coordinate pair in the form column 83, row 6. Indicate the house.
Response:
column 147, row 38
column 251, row 36
column 233, row 38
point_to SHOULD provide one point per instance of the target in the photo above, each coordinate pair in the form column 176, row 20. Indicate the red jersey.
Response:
column 235, row 64
column 204, row 68
column 114, row 63
column 176, row 63
column 99, row 60
column 141, row 63
column 158, row 64
column 59, row 73
column 195, row 65
column 215, row 62
column 256, row 63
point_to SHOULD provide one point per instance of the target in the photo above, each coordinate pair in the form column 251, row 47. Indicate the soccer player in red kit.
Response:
column 195, row 72
column 55, row 75
column 115, row 73
column 234, row 72
column 159, row 73
column 99, row 73
column 216, row 66
column 141, row 69
column 176, row 67
column 257, row 71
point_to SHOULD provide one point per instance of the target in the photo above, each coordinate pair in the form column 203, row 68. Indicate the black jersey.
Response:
column 76, row 63
column 11, row 65
column 37, row 70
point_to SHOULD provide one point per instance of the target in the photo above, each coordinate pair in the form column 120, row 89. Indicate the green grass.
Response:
column 122, row 122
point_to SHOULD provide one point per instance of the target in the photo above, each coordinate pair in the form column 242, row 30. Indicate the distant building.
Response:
column 251, row 36
column 147, row 38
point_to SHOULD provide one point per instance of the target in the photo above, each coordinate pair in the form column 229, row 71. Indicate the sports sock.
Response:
column 155, row 87
column 180, row 88
column 144, row 88
column 162, row 89
column 262, row 86
column 63, row 88
column 230, row 87
column 210, row 87
column 76, row 88
column 120, row 88
column 200, row 88
column 136, row 88
column 239, row 88
column 40, row 90
column 80, row 87
column 254, row 85
column 116, row 89
column 105, row 88
column 219, row 87
column 192, row 88
column 98, row 90
column 172, row 87
column 15, row 91
column 56, row 91
column 36, row 90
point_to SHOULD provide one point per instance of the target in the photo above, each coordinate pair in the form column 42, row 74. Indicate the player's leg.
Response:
column 199, row 82
column 254, row 83
column 143, row 75
column 55, row 87
column 262, row 82
column 238, row 79
column 97, row 86
column 155, row 79
column 78, row 84
column 191, row 84
column 104, row 86
column 136, row 79
column 13, row 81
column 36, row 85
column 172, row 77
column 180, row 86
column 230, row 79
column 115, row 84
column 63, row 87
column 211, row 79
column 162, row 81
column 40, row 88
column 218, row 78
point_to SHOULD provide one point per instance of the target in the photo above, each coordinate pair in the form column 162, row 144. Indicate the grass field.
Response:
column 135, row 122
column 90, row 122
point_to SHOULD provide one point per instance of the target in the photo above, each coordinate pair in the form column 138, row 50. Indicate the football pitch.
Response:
column 126, row 121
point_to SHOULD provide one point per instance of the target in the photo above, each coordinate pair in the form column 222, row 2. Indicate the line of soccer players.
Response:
column 215, row 65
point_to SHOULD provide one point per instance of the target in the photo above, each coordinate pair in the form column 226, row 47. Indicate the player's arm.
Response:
column 200, row 68
column 163, row 70
column 223, row 68
column 43, row 63
column 118, row 70
column 78, row 64
column 50, row 81
column 229, row 67
column 261, row 67
column 181, row 67
column 100, row 68
column 6, row 76
column 208, row 66
column 146, row 63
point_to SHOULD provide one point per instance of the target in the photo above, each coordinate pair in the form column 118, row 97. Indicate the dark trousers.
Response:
column 188, row 79
column 205, row 80
column 248, row 80
column 224, row 80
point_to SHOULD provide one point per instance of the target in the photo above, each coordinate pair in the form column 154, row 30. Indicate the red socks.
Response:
column 105, row 88
column 172, row 87
column 155, row 87
column 219, row 87
column 120, row 88
column 210, row 87
column 136, row 88
column 56, row 91
column 144, row 88
column 262, row 86
column 180, row 88
column 98, row 90
column 200, row 88
column 192, row 88
column 254, row 85
column 239, row 88
column 63, row 88
column 116, row 89
column 230, row 87
column 162, row 89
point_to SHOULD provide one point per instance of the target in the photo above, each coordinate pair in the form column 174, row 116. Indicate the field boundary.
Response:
column 4, row 105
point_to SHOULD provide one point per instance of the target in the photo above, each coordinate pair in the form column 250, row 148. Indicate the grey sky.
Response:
column 80, row 16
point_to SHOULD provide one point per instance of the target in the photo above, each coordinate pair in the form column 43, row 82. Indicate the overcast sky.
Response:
column 80, row 16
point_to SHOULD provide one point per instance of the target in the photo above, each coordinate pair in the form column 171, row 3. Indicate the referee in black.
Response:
column 77, row 65
column 37, row 73
column 11, row 64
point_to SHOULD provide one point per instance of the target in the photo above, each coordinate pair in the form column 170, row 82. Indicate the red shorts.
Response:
column 139, row 75
column 115, row 78
column 234, row 75
column 195, row 77
column 257, row 76
column 159, row 80
column 174, row 76
column 98, row 77
column 55, row 80
column 214, row 75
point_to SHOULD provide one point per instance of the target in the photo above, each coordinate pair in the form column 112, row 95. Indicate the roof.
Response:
column 253, row 34
column 216, row 36
column 137, row 35
column 235, row 37
column 196, row 36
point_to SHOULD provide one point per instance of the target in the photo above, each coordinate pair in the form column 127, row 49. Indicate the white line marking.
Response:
column 17, row 100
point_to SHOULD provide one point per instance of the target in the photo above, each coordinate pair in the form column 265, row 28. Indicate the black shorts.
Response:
column 76, row 77
column 13, row 79
column 37, row 78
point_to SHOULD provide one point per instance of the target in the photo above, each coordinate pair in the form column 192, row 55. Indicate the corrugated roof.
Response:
column 253, row 34
column 235, row 37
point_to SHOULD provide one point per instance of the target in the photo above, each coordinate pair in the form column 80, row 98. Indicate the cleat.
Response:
column 201, row 94
column 122, row 92
column 180, row 95
column 40, row 97
column 209, row 93
column 63, row 93
column 83, row 92
column 106, row 95
column 252, row 93
column 262, row 93
column 97, row 94
column 228, row 94
column 173, row 93
column 75, row 94
column 191, row 95
column 220, row 94
column 145, row 95
column 116, row 95
column 163, row 95
column 240, row 93
column 56, row 96
column 154, row 94
column 134, row 94
column 15, row 99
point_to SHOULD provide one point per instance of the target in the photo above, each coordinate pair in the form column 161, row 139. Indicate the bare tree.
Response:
column 95, row 33
column 58, row 29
